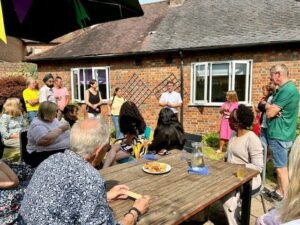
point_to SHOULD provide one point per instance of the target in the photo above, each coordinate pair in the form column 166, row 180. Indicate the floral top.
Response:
column 65, row 189
column 10, row 125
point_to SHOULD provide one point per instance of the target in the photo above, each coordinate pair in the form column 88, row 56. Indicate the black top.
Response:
column 94, row 99
column 167, row 137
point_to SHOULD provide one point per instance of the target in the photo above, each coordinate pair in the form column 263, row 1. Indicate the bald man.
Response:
column 282, row 114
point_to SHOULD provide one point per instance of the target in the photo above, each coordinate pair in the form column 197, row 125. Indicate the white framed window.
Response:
column 211, row 80
column 80, row 78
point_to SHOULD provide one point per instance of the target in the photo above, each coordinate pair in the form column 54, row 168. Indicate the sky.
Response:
column 148, row 1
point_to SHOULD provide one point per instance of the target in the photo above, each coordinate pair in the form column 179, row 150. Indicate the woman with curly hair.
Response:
column 168, row 134
column 132, row 125
column 11, row 122
column 244, row 149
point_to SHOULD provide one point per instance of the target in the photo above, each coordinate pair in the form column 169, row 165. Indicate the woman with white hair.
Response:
column 11, row 122
column 67, row 189
column 288, row 210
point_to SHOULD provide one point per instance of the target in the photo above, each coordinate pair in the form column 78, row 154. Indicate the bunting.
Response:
column 2, row 29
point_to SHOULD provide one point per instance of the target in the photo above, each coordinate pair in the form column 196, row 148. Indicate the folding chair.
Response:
column 23, row 143
column 189, row 139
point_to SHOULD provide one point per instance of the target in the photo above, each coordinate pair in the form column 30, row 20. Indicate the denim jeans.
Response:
column 115, row 120
column 31, row 115
column 280, row 152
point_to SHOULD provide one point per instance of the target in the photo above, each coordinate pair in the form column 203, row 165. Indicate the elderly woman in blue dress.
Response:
column 11, row 122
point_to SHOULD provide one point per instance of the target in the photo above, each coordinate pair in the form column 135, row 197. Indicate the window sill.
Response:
column 191, row 104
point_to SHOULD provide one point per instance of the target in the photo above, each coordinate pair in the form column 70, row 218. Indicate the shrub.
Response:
column 211, row 140
column 298, row 127
column 11, row 86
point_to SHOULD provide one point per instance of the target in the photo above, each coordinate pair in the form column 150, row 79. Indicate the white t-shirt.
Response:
column 173, row 97
column 46, row 94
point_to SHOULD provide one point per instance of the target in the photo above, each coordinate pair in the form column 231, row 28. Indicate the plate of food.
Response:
column 156, row 168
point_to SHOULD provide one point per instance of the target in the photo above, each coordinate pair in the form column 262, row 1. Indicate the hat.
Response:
column 47, row 77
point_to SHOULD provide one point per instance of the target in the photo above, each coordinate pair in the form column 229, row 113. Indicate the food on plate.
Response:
column 156, row 167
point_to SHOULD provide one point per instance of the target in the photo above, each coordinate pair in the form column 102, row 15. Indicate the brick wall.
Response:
column 154, row 69
column 13, row 51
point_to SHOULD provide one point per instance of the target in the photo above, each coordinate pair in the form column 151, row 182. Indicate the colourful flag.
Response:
column 2, row 29
column 21, row 8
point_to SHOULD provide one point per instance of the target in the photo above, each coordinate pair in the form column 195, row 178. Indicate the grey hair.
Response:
column 282, row 68
column 86, row 135
column 29, row 81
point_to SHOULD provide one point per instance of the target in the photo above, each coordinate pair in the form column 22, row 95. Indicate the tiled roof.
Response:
column 197, row 24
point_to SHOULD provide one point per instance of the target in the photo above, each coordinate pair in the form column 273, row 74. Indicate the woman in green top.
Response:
column 115, row 103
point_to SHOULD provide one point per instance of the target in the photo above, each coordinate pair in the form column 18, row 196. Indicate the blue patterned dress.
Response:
column 65, row 189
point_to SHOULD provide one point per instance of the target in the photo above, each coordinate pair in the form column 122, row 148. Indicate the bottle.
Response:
column 197, row 157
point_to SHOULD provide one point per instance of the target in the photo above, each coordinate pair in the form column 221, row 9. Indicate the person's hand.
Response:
column 142, row 204
column 64, row 126
column 14, row 136
column 117, row 192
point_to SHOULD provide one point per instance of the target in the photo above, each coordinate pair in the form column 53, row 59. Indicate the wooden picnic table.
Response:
column 176, row 196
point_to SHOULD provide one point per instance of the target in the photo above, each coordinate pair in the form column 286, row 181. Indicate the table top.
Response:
column 177, row 195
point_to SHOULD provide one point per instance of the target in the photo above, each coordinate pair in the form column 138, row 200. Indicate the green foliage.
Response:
column 211, row 140
column 28, row 69
column 298, row 127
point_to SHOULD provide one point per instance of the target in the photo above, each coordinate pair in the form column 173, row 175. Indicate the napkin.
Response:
column 150, row 157
column 198, row 170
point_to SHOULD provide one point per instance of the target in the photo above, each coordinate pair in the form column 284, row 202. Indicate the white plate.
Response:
column 168, row 168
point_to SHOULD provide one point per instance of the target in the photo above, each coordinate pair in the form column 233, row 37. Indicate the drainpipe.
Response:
column 181, row 86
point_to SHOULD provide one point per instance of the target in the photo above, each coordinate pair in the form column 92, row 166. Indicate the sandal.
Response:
column 219, row 151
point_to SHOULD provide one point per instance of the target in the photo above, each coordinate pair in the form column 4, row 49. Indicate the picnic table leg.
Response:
column 246, row 203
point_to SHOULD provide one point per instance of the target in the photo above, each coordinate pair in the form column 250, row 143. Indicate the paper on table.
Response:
column 133, row 195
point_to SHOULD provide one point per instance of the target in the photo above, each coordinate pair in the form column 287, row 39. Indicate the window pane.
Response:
column 85, row 77
column 75, row 84
column 220, row 80
column 81, row 81
column 240, row 80
column 102, row 82
column 200, row 82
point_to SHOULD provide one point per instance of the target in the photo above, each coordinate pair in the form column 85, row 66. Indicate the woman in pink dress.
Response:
column 227, row 107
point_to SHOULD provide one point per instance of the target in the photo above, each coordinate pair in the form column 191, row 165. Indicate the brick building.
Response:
column 209, row 46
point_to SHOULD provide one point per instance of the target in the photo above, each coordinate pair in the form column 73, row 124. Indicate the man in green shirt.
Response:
column 282, row 116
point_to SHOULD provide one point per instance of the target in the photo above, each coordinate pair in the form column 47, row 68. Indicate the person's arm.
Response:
column 51, row 136
column 139, row 207
column 87, row 97
column 8, row 179
column 27, row 99
column 100, row 102
column 4, row 121
column 272, row 110
column 162, row 101
column 255, row 150
column 67, row 96
column 43, row 95
column 178, row 102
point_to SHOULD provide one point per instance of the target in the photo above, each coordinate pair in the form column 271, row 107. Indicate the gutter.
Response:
column 181, row 86
column 220, row 47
